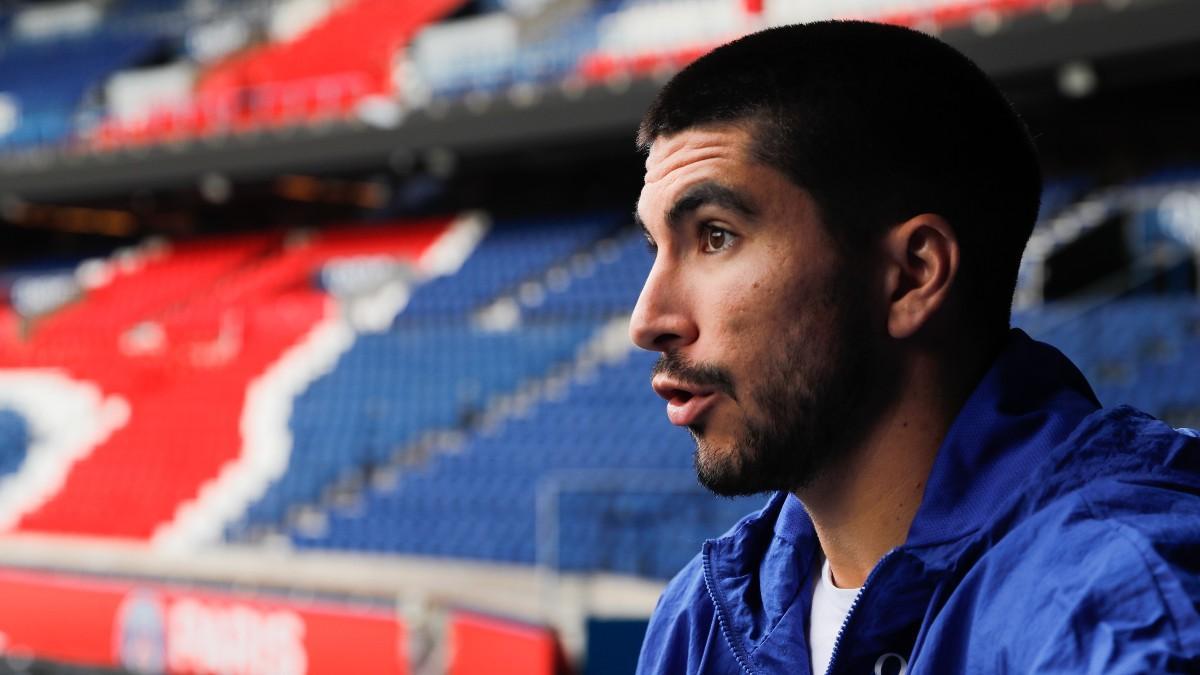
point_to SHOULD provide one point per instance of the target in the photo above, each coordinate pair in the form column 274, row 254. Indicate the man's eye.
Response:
column 716, row 239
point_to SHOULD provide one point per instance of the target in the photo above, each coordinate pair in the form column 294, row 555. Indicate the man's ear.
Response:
column 920, row 258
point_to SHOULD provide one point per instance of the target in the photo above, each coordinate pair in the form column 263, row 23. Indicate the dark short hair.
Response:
column 878, row 123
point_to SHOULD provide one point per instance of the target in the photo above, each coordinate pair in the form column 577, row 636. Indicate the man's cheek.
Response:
column 747, row 317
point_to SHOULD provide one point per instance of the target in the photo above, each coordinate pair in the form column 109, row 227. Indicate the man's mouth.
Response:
column 685, row 403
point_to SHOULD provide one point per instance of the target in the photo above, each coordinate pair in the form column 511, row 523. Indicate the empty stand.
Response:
column 605, row 283
column 436, row 369
column 390, row 388
column 180, row 334
column 625, row 496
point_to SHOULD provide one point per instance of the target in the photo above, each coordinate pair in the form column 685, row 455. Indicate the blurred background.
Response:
column 313, row 313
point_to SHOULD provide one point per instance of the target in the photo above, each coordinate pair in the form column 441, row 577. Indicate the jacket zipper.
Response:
column 837, row 643
column 742, row 659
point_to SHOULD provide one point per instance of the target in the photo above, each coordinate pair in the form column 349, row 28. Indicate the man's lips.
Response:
column 685, row 402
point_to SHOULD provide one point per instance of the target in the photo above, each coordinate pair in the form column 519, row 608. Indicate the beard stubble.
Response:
column 812, row 396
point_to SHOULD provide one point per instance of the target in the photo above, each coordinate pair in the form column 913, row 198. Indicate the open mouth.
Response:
column 685, row 404
column 687, row 409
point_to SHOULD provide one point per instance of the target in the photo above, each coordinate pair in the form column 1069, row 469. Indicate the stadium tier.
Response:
column 83, row 77
column 389, row 389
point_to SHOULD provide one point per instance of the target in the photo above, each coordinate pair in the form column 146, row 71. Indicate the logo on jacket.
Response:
column 884, row 664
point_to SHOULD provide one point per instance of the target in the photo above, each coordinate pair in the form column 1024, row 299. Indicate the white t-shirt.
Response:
column 830, row 605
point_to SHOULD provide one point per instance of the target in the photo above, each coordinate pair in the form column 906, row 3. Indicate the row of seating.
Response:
column 622, row 38
column 389, row 389
column 512, row 252
column 436, row 368
column 607, row 467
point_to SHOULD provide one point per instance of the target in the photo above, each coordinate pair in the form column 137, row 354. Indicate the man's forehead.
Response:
column 695, row 145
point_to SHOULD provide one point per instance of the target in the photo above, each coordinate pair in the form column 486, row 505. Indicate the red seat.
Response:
column 185, row 397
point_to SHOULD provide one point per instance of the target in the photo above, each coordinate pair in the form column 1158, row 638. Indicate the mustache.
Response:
column 706, row 375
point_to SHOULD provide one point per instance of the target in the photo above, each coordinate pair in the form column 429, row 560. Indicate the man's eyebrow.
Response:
column 705, row 193
column 697, row 196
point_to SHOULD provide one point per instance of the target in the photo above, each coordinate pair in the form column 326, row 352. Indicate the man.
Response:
column 838, row 211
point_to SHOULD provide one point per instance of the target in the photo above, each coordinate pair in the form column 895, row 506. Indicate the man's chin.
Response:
column 722, row 471
column 726, row 485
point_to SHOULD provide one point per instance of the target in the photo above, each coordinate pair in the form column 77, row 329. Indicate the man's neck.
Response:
column 863, row 507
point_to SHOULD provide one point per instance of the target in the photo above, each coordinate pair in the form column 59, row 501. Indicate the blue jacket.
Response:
column 1054, row 537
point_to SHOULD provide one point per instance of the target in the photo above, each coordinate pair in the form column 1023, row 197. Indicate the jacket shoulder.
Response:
column 1105, row 579
column 682, row 621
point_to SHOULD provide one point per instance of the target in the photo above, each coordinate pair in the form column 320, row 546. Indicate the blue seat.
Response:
column 48, row 79
column 14, row 440
column 480, row 501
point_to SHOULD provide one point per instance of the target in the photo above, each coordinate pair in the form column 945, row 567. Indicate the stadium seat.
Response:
column 14, row 441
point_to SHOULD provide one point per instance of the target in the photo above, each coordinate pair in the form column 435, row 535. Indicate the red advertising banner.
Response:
column 162, row 628
column 481, row 645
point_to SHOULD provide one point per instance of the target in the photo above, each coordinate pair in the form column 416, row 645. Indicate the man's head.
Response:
column 817, row 194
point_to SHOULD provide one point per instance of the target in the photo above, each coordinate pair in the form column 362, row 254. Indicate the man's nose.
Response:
column 661, row 320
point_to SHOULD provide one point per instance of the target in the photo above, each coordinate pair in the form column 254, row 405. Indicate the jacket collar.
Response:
column 1028, row 403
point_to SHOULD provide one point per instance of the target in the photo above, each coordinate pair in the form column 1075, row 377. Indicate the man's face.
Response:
column 767, row 353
